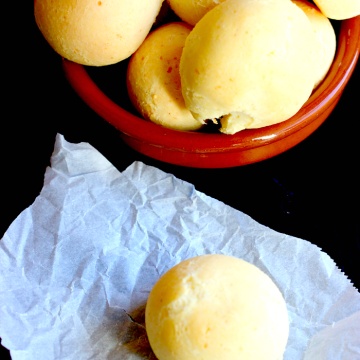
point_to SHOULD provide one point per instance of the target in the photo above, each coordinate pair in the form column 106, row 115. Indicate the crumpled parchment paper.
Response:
column 76, row 266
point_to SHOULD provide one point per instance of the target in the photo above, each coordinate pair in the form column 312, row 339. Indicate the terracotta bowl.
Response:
column 104, row 90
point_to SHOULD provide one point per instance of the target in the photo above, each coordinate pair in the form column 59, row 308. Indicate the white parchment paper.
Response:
column 76, row 266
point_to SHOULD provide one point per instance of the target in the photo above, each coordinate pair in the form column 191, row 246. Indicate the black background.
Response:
column 311, row 191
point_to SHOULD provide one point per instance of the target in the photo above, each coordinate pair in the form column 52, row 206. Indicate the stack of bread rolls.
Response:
column 240, row 64
column 245, row 64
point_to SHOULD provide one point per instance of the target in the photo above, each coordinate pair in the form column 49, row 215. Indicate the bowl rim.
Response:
column 198, row 142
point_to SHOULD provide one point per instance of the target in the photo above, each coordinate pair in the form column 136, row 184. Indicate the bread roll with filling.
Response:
column 213, row 307
column 248, row 62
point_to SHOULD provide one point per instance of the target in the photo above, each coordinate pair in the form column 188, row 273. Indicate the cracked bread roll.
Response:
column 249, row 63
column 339, row 9
column 213, row 307
column 95, row 32
column 325, row 37
column 153, row 78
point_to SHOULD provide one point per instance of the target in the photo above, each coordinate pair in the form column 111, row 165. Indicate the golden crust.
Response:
column 153, row 78
column 97, row 32
column 250, row 61
column 191, row 11
column 325, row 37
column 339, row 9
column 216, row 307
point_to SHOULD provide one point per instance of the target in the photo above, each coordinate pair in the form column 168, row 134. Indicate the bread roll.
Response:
column 339, row 9
column 153, row 78
column 325, row 37
column 213, row 307
column 191, row 11
column 248, row 62
column 95, row 32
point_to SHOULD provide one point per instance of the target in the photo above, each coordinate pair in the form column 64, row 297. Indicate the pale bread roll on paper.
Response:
column 325, row 37
column 153, row 78
column 95, row 33
column 250, row 62
column 213, row 307
column 339, row 9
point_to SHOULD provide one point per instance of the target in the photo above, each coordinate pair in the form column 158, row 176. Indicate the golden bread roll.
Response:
column 213, row 307
column 191, row 11
column 95, row 32
column 153, row 78
column 248, row 62
column 339, row 9
column 325, row 37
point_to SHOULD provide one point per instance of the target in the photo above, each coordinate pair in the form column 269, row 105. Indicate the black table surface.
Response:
column 311, row 191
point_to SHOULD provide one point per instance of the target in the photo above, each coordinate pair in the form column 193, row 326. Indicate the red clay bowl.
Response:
column 216, row 150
